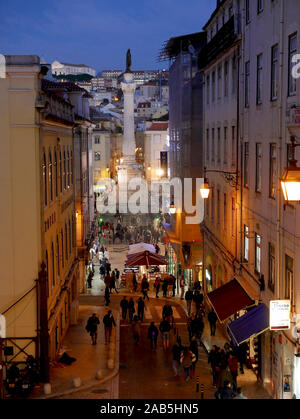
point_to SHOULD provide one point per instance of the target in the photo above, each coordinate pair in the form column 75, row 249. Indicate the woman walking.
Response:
column 187, row 358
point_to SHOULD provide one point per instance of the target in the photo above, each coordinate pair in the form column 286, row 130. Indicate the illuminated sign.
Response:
column 280, row 315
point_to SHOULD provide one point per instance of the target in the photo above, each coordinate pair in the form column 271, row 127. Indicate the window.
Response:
column 47, row 270
column 52, row 265
column 65, row 171
column 225, row 147
column 289, row 278
column 246, row 165
column 273, row 171
column 233, row 150
column 260, row 6
column 207, row 145
column 44, row 168
column 212, row 203
column 219, row 82
column 57, row 257
column 225, row 212
column 218, row 207
column 274, row 73
column 213, row 86
column 246, row 243
column 259, row 79
column 258, row 171
column 234, row 75
column 60, row 172
column 62, row 249
column 292, row 51
column 66, row 241
column 68, row 168
column 50, row 177
column 97, row 140
column 257, row 252
column 207, row 89
column 219, row 145
column 226, row 79
column 247, row 83
column 213, row 145
column 55, row 174
column 97, row 156
column 272, row 271
column 232, row 217
column 70, row 245
column 247, row 11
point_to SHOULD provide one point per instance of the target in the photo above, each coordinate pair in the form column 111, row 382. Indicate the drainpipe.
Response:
column 279, row 165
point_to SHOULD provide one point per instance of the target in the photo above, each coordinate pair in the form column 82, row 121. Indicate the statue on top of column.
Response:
column 128, row 62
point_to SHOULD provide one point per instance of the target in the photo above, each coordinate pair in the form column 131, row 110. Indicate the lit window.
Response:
column 257, row 252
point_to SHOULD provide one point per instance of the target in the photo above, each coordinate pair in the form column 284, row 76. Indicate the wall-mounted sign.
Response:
column 2, row 327
column 280, row 315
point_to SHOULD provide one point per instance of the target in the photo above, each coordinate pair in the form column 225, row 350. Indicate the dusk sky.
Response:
column 96, row 32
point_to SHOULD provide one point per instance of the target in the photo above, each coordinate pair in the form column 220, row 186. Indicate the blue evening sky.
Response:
column 98, row 32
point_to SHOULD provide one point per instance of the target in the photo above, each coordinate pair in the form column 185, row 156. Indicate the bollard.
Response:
column 47, row 388
column 202, row 391
column 76, row 382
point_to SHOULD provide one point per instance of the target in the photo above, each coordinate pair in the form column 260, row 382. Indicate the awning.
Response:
column 145, row 259
column 229, row 299
column 256, row 321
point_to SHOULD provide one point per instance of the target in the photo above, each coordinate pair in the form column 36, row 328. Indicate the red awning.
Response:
column 145, row 259
column 229, row 299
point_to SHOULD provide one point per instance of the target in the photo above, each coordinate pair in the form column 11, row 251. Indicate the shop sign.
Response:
column 280, row 315
column 2, row 327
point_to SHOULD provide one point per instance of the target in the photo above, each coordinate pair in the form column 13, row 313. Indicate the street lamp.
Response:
column 159, row 172
column 205, row 190
column 290, row 181
column 172, row 209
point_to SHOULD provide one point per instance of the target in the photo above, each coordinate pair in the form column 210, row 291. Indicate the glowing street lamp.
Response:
column 290, row 181
column 205, row 190
column 159, row 172
column 172, row 209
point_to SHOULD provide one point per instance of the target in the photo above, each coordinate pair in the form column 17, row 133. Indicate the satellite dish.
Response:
column 296, row 331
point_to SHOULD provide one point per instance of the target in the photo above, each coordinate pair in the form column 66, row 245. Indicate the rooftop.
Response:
column 159, row 126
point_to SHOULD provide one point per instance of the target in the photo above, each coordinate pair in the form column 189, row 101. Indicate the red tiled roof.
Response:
column 157, row 126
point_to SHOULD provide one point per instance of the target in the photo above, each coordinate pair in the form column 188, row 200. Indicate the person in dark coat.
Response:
column 109, row 322
column 107, row 296
column 102, row 271
column 124, row 307
column 189, row 298
column 165, row 288
column 194, row 349
column 92, row 326
column 134, row 282
column 167, row 313
column 213, row 361
column 152, row 335
column 212, row 318
column 131, row 309
column 145, row 287
column 112, row 283
column 157, row 286
column 141, row 308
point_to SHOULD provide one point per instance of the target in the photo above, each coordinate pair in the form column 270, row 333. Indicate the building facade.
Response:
column 59, row 68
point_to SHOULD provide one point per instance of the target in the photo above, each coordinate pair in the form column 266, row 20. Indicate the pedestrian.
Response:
column 167, row 313
column 212, row 318
column 89, row 279
column 197, row 298
column 186, row 359
column 225, row 392
column 165, row 288
column 136, row 329
column 107, row 280
column 157, row 249
column 102, row 271
column 165, row 328
column 182, row 288
column 145, row 287
column 109, row 322
column 106, row 254
column 141, row 308
column 107, row 296
column 173, row 280
column 233, row 367
column 134, row 282
column 241, row 354
column 213, row 361
column 152, row 335
column 239, row 394
column 112, row 283
column 131, row 309
column 92, row 326
column 194, row 350
column 108, row 266
column 176, row 352
column 157, row 286
column 117, row 278
column 124, row 307
column 189, row 298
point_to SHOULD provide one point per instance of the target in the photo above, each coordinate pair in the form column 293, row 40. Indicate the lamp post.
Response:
column 290, row 181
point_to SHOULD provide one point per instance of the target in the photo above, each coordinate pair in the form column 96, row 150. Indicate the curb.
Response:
column 95, row 382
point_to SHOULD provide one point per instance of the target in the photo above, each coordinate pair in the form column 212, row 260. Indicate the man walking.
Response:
column 176, row 351
column 189, row 298
column 108, row 321
column 141, row 308
column 165, row 328
column 91, row 327
column 124, row 307
column 212, row 318
column 145, row 287
column 152, row 335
